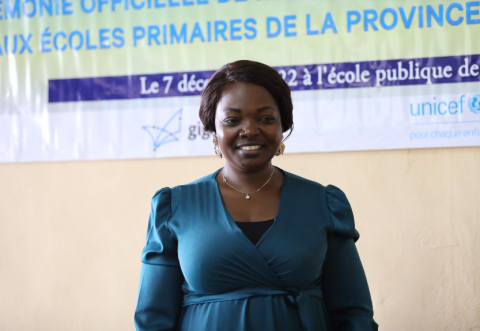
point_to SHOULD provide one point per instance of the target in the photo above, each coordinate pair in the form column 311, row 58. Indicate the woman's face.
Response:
column 248, row 126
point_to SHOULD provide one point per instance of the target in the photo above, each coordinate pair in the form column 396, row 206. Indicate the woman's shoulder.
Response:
column 205, row 179
column 200, row 184
column 330, row 193
column 329, row 189
column 303, row 182
column 181, row 196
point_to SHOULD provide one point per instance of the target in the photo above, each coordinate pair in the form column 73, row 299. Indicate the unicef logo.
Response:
column 474, row 104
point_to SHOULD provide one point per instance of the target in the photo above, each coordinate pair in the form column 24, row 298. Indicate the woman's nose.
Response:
column 250, row 128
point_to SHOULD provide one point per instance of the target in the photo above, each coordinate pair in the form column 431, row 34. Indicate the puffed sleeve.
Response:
column 346, row 294
column 160, row 295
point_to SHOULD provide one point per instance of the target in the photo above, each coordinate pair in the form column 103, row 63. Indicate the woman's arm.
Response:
column 160, row 295
column 345, row 287
column 159, row 298
column 346, row 292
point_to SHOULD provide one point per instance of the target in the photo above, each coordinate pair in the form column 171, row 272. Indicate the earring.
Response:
column 216, row 147
column 281, row 149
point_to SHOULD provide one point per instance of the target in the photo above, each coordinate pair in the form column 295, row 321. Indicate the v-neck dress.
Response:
column 254, row 230
column 200, row 272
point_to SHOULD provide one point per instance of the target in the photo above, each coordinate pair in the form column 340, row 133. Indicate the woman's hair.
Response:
column 249, row 72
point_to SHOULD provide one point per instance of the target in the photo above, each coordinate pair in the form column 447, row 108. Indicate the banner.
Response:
column 118, row 79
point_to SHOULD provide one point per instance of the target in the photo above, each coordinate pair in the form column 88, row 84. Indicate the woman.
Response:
column 251, row 247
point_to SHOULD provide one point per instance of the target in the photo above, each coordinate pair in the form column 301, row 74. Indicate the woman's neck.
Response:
column 246, row 180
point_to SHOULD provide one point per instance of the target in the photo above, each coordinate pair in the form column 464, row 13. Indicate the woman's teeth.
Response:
column 250, row 148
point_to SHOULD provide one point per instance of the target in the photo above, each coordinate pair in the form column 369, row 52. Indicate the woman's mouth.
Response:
column 250, row 148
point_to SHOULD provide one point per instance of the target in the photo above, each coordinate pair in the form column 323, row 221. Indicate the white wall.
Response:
column 71, row 235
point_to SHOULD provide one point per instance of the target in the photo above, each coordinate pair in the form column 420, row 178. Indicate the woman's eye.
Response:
column 231, row 120
column 267, row 119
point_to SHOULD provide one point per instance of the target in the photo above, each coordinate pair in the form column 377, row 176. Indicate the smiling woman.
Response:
column 248, row 135
column 295, row 267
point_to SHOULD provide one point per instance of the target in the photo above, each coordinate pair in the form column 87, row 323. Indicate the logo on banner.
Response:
column 446, row 107
column 474, row 104
column 167, row 133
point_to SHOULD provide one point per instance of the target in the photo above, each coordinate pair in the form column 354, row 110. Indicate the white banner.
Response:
column 321, row 125
column 96, row 80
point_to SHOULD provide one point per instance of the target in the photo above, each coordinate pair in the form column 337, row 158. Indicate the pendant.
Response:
column 247, row 197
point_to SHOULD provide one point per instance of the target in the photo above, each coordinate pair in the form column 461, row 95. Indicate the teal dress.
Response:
column 201, row 273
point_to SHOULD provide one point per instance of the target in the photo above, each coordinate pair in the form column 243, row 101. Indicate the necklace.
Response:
column 247, row 194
